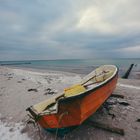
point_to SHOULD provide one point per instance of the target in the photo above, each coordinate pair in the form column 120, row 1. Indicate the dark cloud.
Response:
column 40, row 29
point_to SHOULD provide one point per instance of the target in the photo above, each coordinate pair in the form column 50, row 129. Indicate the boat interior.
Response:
column 89, row 82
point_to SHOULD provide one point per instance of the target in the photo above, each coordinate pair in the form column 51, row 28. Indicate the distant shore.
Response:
column 23, row 87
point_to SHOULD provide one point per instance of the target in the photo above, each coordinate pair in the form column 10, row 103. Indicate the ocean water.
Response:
column 82, row 66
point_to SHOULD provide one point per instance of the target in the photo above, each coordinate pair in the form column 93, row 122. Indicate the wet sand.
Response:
column 21, row 88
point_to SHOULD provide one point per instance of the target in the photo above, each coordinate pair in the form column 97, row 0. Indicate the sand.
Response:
column 21, row 88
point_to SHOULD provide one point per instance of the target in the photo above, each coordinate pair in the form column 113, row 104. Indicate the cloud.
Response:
column 110, row 17
column 128, row 51
column 132, row 49
column 40, row 29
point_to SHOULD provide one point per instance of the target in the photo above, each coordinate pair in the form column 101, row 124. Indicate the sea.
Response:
column 80, row 66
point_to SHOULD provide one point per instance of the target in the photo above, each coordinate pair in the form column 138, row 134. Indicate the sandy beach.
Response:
column 21, row 88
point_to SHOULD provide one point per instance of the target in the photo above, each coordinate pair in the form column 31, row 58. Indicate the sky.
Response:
column 69, row 29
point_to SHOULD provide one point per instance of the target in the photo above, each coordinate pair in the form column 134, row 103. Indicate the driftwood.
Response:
column 33, row 89
column 138, row 120
column 49, row 91
column 117, row 95
column 124, row 103
column 106, row 127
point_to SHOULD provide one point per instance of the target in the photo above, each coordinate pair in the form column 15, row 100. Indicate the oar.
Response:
column 95, row 76
column 88, row 80
column 92, row 78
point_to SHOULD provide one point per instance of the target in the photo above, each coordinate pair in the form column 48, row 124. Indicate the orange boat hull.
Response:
column 73, row 111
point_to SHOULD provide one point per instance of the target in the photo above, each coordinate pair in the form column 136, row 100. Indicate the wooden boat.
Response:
column 78, row 102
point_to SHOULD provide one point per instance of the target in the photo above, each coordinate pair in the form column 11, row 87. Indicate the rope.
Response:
column 39, row 131
column 59, row 120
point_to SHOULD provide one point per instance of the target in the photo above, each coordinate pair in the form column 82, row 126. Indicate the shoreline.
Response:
column 44, row 70
column 134, row 74
column 80, row 71
column 16, row 95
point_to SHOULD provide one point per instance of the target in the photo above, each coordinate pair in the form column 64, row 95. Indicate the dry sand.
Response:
column 15, row 98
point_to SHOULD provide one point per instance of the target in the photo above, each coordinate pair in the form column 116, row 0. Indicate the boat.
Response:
column 76, row 103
